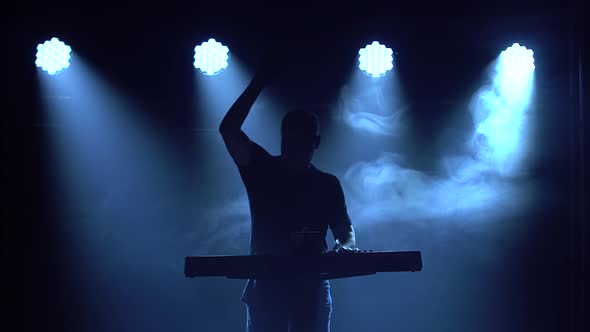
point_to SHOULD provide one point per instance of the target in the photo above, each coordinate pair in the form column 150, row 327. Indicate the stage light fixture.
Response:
column 211, row 57
column 517, row 58
column 375, row 59
column 53, row 56
column 514, row 72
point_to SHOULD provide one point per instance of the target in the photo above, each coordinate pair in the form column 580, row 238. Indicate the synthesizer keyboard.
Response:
column 324, row 266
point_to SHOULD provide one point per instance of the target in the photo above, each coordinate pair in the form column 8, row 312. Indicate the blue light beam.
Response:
column 499, row 110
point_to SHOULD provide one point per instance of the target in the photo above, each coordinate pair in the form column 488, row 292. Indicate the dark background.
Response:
column 535, row 275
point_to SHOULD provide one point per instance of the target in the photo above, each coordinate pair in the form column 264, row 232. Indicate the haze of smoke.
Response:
column 383, row 118
column 383, row 190
column 228, row 224
column 481, row 182
column 502, row 120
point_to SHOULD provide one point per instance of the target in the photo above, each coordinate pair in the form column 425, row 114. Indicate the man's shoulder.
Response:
column 262, row 159
column 328, row 177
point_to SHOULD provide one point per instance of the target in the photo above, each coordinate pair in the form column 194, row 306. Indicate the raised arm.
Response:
column 237, row 143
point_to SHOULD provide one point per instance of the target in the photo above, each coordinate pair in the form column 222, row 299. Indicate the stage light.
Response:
column 515, row 67
column 517, row 58
column 53, row 56
column 500, row 112
column 211, row 57
column 375, row 59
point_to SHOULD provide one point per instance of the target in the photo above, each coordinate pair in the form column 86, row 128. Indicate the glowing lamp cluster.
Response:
column 53, row 56
column 515, row 71
column 517, row 58
column 375, row 59
column 211, row 57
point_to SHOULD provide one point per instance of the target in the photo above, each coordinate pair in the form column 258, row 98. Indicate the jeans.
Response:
column 292, row 309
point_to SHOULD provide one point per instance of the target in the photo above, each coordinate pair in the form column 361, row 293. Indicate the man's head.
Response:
column 299, row 137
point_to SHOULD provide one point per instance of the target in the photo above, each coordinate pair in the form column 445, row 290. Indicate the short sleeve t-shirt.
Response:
column 283, row 202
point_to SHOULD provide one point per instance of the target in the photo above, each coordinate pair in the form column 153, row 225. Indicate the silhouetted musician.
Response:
column 292, row 205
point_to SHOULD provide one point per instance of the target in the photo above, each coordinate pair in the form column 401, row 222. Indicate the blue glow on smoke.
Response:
column 479, row 184
column 499, row 109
